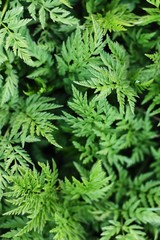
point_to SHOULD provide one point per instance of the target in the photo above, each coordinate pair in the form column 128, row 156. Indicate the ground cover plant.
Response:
column 79, row 119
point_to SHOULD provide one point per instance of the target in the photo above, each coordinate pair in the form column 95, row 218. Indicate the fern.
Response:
column 113, row 76
column 117, row 18
column 130, row 231
column 17, row 223
column 15, row 156
column 70, row 229
column 29, row 190
column 80, row 50
column 42, row 192
column 10, row 33
column 152, row 15
column 54, row 9
column 109, row 133
column 91, row 189
column 154, row 2
column 11, row 84
column 32, row 119
column 79, row 83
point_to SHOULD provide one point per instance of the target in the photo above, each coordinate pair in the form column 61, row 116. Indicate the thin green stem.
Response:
column 4, row 9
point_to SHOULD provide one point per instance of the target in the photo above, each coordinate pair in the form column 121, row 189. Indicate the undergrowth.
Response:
column 79, row 119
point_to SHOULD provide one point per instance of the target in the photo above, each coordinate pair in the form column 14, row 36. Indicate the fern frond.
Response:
column 38, row 201
column 88, row 151
column 154, row 57
column 13, row 155
column 88, row 122
column 113, row 76
column 4, row 115
column 10, row 88
column 156, row 3
column 152, row 16
column 81, row 49
column 3, row 181
column 3, row 57
column 129, row 230
column 116, row 19
column 91, row 189
column 33, row 118
column 132, row 209
column 54, row 9
column 63, row 16
column 17, row 223
column 11, row 26
column 71, row 229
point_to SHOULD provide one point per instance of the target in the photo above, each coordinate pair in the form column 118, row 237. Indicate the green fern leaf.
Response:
column 32, row 118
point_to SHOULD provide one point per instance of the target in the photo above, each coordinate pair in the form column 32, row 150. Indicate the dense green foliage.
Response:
column 79, row 119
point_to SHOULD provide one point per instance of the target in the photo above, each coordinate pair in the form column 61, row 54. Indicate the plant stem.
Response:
column 4, row 8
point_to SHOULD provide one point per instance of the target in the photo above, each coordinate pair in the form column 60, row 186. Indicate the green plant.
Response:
column 79, row 120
